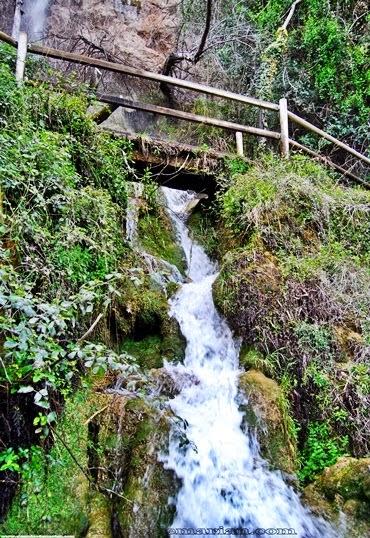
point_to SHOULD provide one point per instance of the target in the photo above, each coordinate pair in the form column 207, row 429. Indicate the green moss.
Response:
column 203, row 231
column 148, row 485
column 268, row 411
column 147, row 351
column 157, row 238
column 52, row 496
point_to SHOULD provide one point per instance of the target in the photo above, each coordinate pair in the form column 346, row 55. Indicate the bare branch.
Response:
column 290, row 14
column 205, row 33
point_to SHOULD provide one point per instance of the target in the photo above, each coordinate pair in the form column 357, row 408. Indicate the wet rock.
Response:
column 170, row 382
column 349, row 477
column 343, row 488
column 126, row 438
column 265, row 411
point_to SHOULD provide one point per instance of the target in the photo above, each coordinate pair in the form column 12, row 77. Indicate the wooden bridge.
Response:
column 285, row 116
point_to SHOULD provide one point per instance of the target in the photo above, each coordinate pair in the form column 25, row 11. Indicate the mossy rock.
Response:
column 157, row 237
column 251, row 280
column 349, row 477
column 203, row 231
column 265, row 411
column 348, row 341
column 128, row 436
column 173, row 342
column 343, row 488
column 150, row 351
column 145, row 511
column 100, row 516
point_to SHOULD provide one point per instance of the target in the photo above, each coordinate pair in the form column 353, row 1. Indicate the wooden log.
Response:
column 323, row 134
column 239, row 143
column 124, row 69
column 329, row 162
column 21, row 57
column 171, row 112
column 284, row 128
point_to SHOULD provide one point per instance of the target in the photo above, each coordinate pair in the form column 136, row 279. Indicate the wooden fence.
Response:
column 285, row 116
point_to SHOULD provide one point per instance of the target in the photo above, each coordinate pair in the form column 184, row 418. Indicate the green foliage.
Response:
column 63, row 198
column 51, row 497
column 321, row 450
column 297, row 208
column 236, row 165
column 326, row 60
column 40, row 355
column 316, row 338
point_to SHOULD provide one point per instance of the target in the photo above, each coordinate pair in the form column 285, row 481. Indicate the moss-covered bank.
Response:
column 294, row 284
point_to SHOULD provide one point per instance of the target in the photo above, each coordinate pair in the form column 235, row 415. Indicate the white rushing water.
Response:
column 224, row 480
column 35, row 18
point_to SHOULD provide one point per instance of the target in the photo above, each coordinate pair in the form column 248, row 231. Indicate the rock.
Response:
column 99, row 516
column 248, row 288
column 7, row 15
column 349, row 342
column 147, row 487
column 140, row 34
column 343, row 488
column 126, row 438
column 265, row 410
column 170, row 382
column 349, row 477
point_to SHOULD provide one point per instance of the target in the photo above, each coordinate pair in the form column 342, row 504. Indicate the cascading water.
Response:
column 225, row 482
column 35, row 18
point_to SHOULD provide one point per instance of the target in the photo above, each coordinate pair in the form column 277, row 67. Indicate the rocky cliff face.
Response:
column 137, row 32
column 6, row 15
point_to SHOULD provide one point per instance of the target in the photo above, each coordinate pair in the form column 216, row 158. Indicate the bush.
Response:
column 321, row 450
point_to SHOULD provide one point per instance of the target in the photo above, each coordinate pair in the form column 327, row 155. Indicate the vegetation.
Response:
column 292, row 285
column 83, row 320
column 71, row 291
column 317, row 56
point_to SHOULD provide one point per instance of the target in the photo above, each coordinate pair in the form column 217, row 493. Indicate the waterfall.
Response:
column 35, row 18
column 225, row 483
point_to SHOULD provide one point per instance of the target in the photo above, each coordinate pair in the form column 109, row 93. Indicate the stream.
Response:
column 224, row 481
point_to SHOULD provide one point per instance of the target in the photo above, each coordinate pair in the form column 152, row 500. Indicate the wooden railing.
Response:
column 286, row 143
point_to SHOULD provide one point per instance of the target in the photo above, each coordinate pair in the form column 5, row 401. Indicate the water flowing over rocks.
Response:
column 224, row 480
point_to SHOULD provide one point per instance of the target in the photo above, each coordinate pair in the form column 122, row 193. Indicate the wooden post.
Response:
column 21, row 57
column 239, row 143
column 284, row 128
column 17, row 19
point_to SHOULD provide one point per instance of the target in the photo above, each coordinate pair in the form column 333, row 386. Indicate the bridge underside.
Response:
column 175, row 165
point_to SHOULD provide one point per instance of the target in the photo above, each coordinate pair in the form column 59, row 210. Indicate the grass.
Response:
column 295, row 287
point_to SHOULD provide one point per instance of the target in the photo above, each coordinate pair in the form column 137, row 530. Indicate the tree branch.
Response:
column 290, row 14
column 205, row 33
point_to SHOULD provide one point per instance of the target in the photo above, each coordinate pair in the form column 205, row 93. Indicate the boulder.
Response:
column 343, row 488
column 265, row 408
